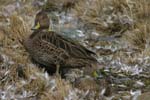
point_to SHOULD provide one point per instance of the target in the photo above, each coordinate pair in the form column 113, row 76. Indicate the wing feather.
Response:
column 74, row 49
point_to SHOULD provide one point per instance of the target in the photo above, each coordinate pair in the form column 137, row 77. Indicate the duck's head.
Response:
column 41, row 21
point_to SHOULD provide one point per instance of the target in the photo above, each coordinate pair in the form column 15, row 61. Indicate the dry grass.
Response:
column 117, row 16
column 19, row 28
column 6, row 2
column 136, row 38
column 17, row 70
column 139, row 35
column 57, row 93
column 61, row 5
column 141, row 11
column 105, row 16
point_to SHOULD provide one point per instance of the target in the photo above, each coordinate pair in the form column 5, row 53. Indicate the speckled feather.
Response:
column 51, row 48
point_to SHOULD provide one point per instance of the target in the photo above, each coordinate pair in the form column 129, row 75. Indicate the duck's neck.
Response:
column 44, row 29
column 35, row 32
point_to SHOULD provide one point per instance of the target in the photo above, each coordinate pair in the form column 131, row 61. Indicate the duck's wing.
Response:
column 74, row 49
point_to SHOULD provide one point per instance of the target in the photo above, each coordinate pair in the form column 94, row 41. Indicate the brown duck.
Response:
column 51, row 49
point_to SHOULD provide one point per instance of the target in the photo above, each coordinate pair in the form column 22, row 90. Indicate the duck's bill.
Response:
column 37, row 26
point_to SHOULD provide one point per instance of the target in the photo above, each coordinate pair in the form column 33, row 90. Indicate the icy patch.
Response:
column 72, row 95
column 139, row 84
column 95, row 33
column 134, row 70
column 135, row 94
column 53, row 84
column 98, row 47
column 126, row 20
column 80, row 33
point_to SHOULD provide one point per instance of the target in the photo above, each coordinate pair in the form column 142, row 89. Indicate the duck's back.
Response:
column 51, row 48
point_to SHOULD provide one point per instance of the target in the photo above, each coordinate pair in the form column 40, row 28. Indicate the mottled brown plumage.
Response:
column 49, row 48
